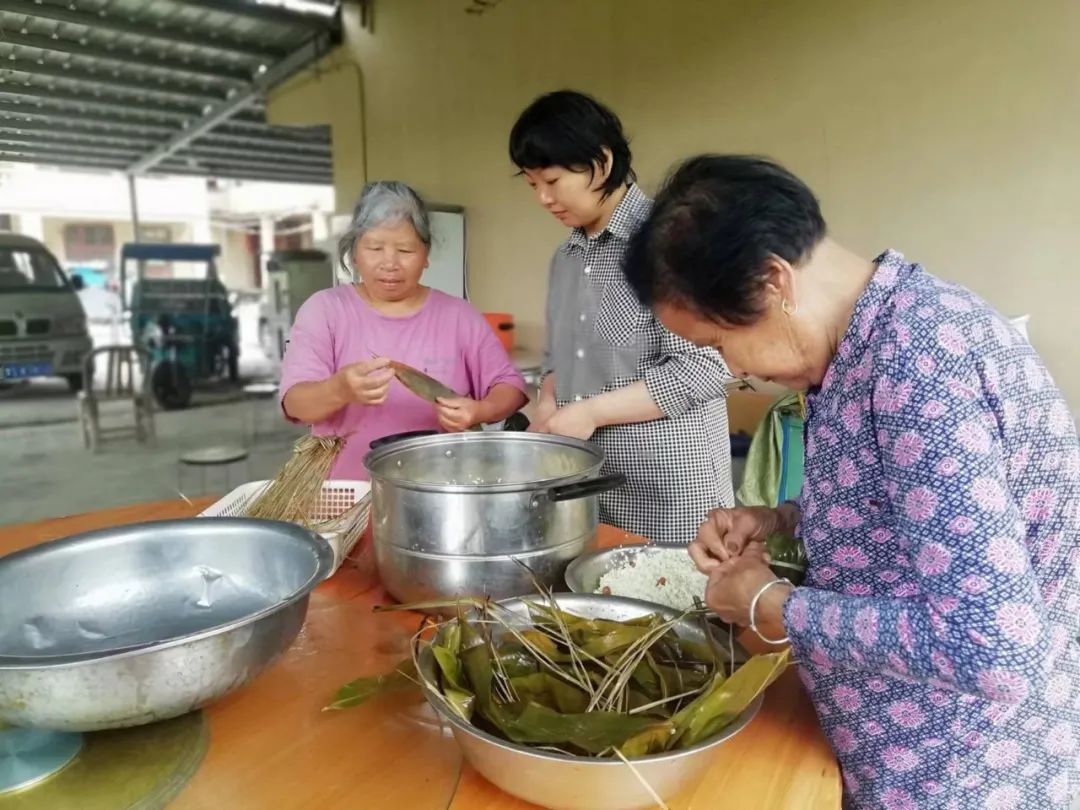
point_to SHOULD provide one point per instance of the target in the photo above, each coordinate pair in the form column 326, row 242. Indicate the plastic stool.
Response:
column 206, row 457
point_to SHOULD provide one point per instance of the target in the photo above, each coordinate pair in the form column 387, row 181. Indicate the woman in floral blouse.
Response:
column 936, row 631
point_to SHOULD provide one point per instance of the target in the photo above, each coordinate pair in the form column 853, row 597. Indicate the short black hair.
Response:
column 571, row 130
column 714, row 224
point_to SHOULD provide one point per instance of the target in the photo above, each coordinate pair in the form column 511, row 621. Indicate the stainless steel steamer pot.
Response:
column 458, row 514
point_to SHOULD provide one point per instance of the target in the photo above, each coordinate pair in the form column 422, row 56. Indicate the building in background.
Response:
column 84, row 217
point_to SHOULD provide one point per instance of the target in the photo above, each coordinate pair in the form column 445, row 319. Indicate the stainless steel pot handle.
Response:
column 583, row 489
column 399, row 437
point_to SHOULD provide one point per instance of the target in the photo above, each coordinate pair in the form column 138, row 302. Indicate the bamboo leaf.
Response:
column 726, row 699
column 461, row 702
column 516, row 661
column 690, row 650
column 475, row 658
column 543, row 642
column 785, row 549
column 648, row 678
column 679, row 679
column 423, row 385
column 550, row 692
column 652, row 740
column 637, row 701
column 435, row 604
column 450, row 666
column 534, row 687
column 591, row 732
column 546, row 614
column 452, row 639
column 607, row 641
column 356, row 693
column 568, row 699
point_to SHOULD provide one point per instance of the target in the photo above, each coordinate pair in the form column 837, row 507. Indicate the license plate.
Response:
column 23, row 371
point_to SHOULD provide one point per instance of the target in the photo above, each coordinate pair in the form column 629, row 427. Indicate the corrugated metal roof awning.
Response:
column 161, row 86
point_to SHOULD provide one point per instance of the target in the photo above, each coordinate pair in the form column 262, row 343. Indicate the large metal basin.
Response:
column 126, row 626
column 564, row 782
column 456, row 514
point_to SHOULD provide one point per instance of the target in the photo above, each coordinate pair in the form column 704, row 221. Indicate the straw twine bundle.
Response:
column 293, row 495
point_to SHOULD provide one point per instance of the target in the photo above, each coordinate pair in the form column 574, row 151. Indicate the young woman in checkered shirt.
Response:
column 613, row 374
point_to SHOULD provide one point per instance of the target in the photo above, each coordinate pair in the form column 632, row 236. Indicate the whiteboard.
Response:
column 446, row 263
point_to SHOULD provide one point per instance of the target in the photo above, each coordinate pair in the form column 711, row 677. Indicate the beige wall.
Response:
column 331, row 94
column 53, row 232
column 949, row 130
column 235, row 266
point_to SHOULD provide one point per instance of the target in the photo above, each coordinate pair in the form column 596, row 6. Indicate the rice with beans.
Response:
column 666, row 576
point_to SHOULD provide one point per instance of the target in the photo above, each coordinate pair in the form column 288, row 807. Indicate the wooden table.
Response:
column 271, row 746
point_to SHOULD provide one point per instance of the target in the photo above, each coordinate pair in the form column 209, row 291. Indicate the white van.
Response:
column 42, row 324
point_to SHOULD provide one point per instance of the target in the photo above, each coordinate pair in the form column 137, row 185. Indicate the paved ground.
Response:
column 45, row 472
column 48, row 402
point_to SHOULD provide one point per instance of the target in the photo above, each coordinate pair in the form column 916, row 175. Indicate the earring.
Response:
column 788, row 308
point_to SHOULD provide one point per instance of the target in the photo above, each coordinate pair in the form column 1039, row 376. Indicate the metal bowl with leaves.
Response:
column 579, row 701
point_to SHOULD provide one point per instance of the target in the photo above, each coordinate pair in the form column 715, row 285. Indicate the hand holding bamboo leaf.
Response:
column 733, row 584
column 366, row 382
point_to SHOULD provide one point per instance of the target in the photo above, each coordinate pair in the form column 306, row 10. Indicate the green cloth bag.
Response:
column 774, row 463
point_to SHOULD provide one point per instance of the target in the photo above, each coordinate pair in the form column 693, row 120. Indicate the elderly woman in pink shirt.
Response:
column 336, row 374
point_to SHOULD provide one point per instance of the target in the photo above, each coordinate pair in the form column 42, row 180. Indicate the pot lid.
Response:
column 488, row 462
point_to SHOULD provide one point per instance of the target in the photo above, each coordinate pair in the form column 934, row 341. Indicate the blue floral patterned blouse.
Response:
column 937, row 628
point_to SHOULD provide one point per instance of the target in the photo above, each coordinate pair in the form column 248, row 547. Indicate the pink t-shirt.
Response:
column 446, row 338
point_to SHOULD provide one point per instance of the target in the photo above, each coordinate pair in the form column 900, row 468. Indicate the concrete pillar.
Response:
column 320, row 227
column 133, row 203
column 266, row 247
column 200, row 232
column 32, row 225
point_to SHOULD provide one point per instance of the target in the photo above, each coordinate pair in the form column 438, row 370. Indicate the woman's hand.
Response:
column 733, row 584
column 575, row 420
column 545, row 409
column 726, row 532
column 457, row 414
column 366, row 382
column 546, row 404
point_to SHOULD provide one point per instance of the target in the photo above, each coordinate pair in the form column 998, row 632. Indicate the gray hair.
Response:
column 384, row 202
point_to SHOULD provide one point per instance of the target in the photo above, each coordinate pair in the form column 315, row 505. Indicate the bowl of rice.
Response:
column 663, row 575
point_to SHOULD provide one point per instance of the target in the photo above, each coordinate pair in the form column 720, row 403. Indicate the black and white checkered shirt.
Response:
column 600, row 338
